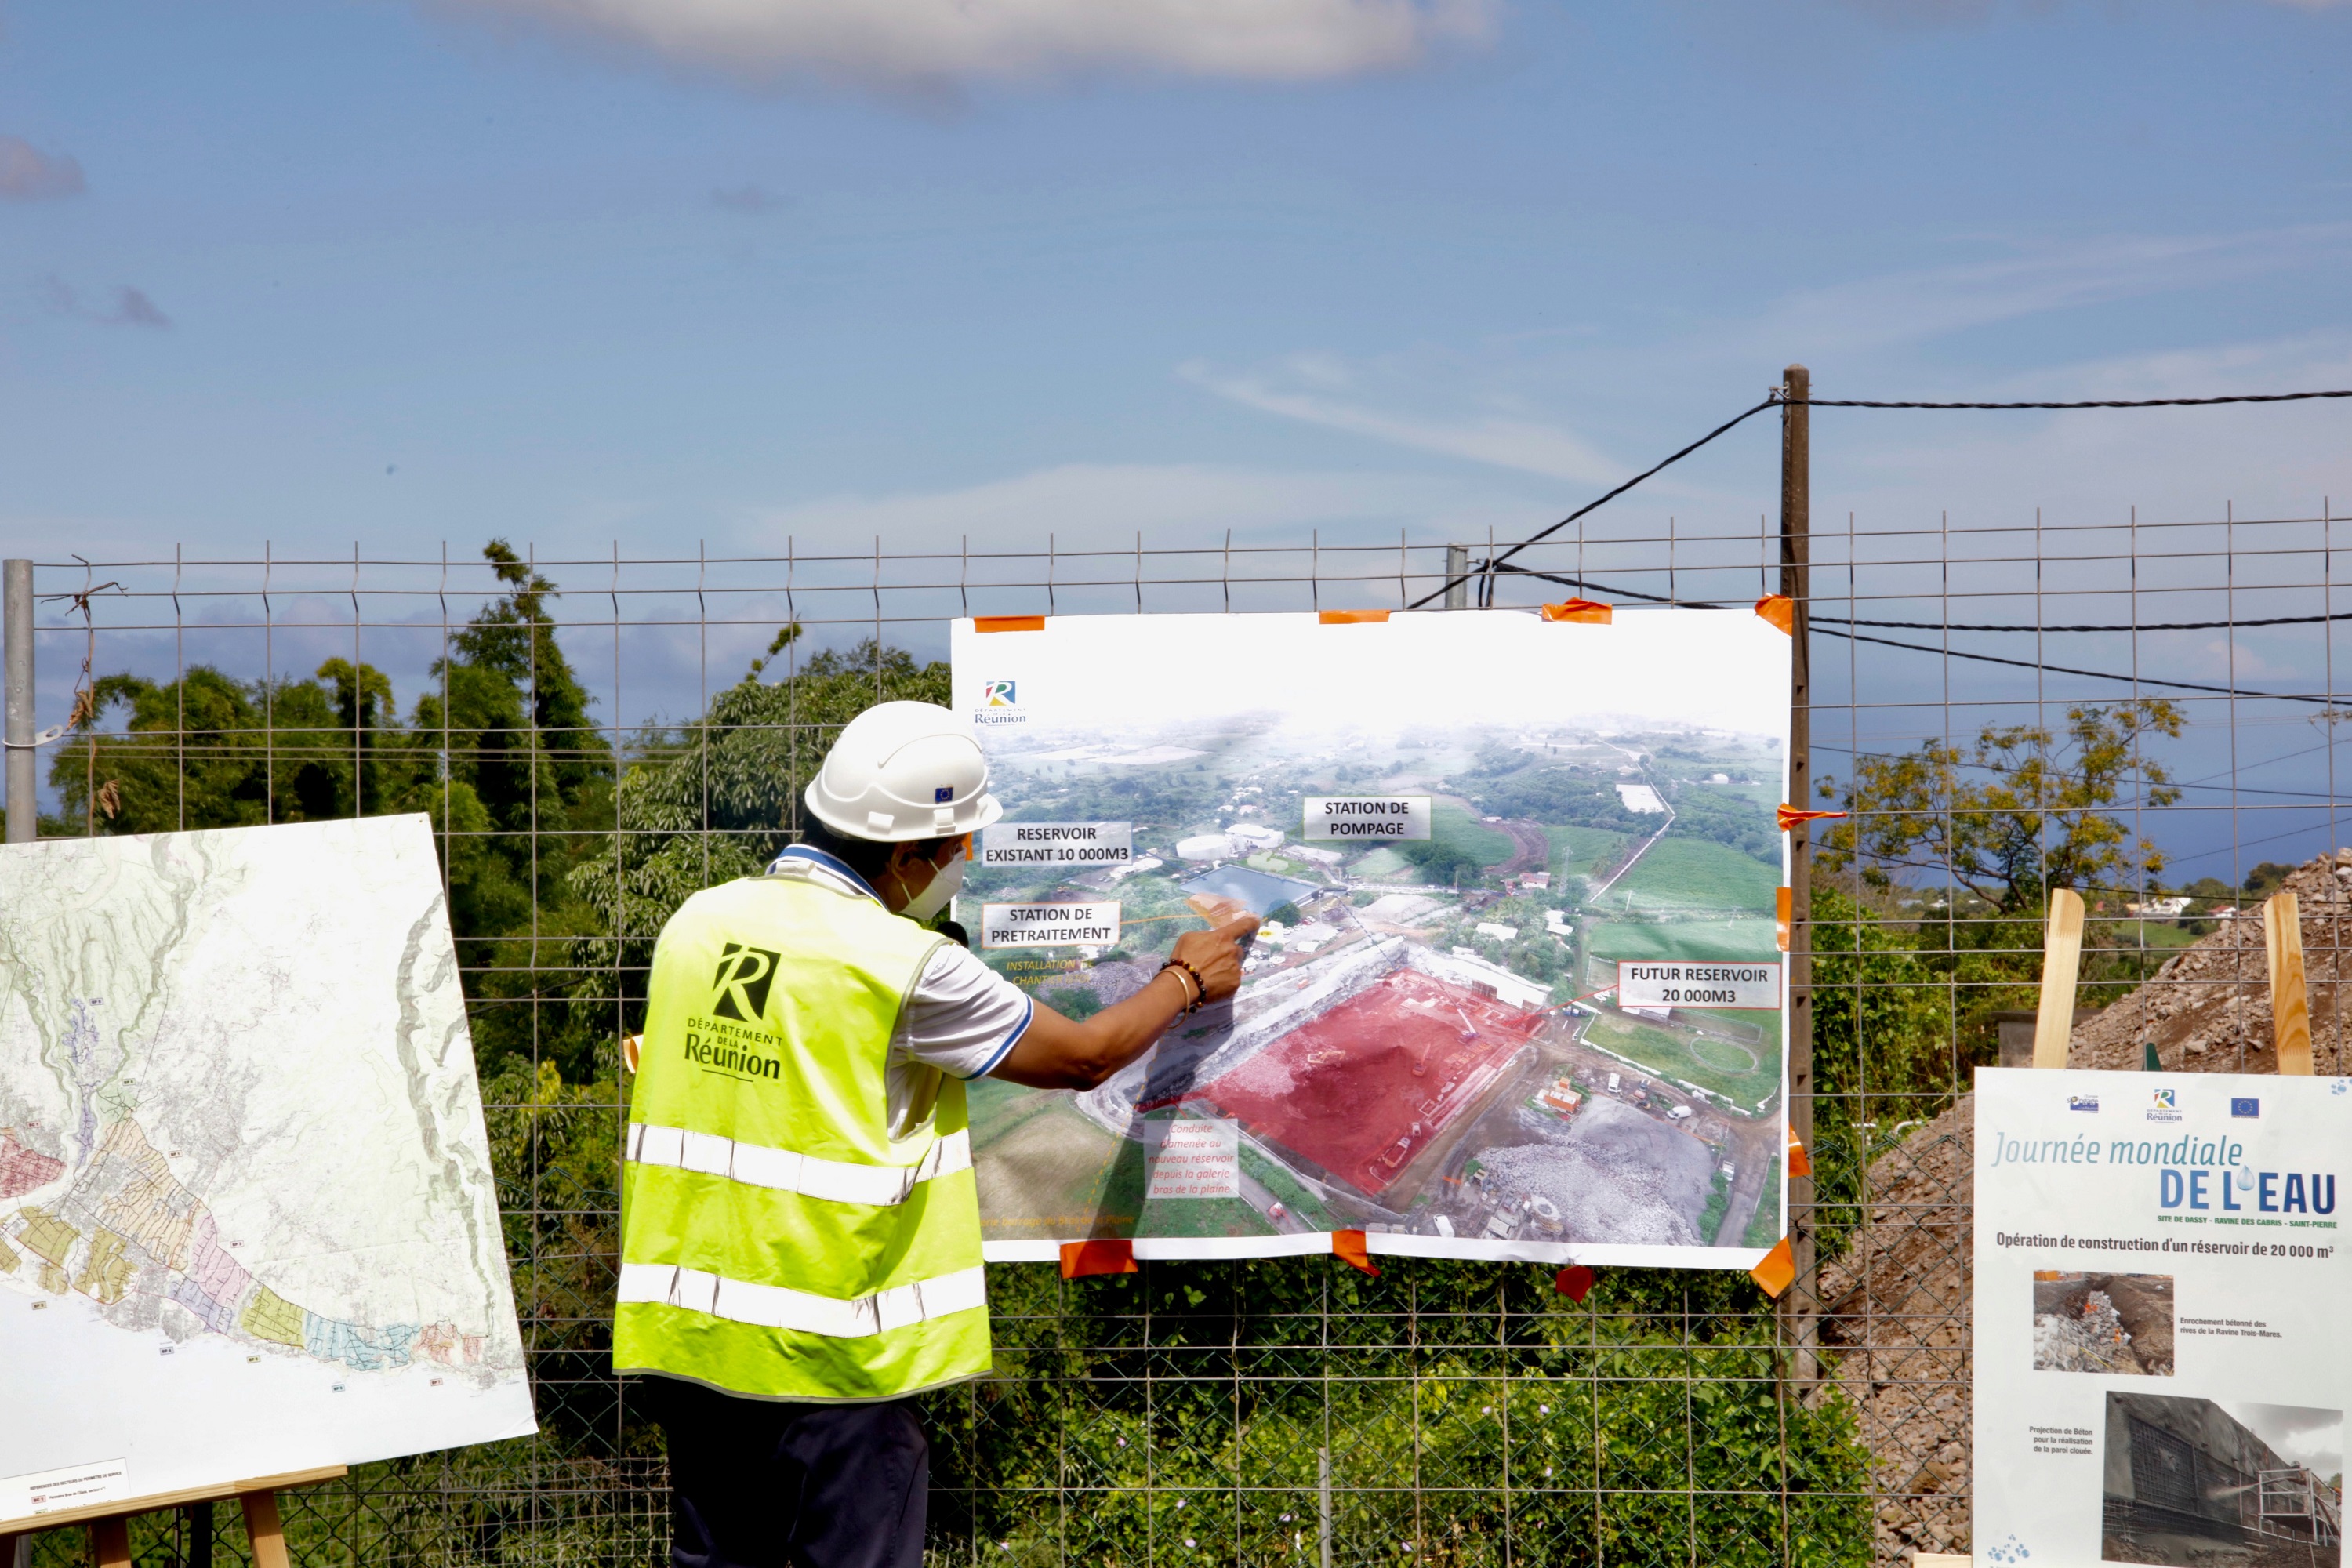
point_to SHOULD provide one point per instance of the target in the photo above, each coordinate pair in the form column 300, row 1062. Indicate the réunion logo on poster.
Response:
column 996, row 698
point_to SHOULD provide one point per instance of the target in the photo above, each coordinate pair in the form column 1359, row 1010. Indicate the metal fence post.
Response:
column 1801, row 1309
column 1457, row 570
column 16, row 611
column 1323, row 1509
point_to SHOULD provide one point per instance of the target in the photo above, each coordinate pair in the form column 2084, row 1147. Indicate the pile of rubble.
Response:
column 2093, row 1341
column 2208, row 1008
column 1894, row 1306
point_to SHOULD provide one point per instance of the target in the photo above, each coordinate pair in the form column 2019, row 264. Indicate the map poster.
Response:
column 1464, row 831
column 248, row 1224
column 2159, row 1356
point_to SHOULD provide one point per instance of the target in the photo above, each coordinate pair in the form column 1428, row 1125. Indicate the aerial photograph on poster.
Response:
column 1517, row 992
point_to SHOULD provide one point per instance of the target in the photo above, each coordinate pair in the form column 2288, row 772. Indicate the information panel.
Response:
column 1085, row 844
column 1742, row 986
column 1049, row 925
column 1367, row 819
column 1457, row 829
column 2158, row 1348
column 249, row 1223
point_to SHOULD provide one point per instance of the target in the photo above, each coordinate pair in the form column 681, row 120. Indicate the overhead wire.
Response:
column 1778, row 398
column 1827, row 631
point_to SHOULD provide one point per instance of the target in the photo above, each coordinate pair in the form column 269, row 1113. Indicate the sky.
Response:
column 2311, row 1438
column 684, row 277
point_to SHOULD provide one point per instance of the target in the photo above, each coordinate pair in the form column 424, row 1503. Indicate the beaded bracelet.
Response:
column 1190, row 979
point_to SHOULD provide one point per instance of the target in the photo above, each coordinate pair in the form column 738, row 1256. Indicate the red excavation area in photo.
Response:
column 1363, row 1089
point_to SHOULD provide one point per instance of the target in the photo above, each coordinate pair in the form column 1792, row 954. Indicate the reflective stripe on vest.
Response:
column 775, row 1306
column 780, row 1237
column 789, row 1171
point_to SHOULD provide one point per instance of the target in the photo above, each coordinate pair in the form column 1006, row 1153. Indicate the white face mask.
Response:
column 936, row 892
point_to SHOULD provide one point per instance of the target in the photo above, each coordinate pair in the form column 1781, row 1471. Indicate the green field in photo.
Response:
column 1583, row 851
column 1453, row 827
column 1732, row 941
column 1696, row 873
column 1705, row 1062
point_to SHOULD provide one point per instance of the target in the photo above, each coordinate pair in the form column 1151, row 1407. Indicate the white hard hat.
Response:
column 901, row 771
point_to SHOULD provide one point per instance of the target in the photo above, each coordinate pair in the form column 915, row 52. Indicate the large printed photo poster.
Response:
column 1519, row 991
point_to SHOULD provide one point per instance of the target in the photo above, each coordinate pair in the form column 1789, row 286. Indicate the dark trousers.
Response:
column 760, row 1484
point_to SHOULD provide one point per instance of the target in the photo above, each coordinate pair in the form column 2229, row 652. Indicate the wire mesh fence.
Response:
column 2143, row 710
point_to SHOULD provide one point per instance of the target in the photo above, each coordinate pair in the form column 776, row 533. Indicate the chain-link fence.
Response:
column 2142, row 709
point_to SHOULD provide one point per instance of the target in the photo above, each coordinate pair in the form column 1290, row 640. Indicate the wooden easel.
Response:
column 2062, row 962
column 110, row 1523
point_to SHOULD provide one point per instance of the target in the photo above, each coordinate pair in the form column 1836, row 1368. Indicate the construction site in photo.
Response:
column 2188, row 1484
column 1430, row 1037
column 1363, row 1089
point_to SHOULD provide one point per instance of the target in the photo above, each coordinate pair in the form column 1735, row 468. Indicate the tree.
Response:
column 502, row 754
column 210, row 751
column 2026, row 810
column 716, row 799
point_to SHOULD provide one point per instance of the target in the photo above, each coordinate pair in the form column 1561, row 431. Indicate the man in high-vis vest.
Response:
column 800, row 1233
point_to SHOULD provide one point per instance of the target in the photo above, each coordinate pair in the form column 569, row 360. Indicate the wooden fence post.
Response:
column 2061, row 960
column 2290, row 1002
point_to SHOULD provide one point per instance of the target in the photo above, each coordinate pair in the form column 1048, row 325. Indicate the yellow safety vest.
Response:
column 776, row 1241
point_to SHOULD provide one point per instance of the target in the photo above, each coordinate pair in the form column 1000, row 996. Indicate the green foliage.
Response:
column 1885, row 1048
column 714, row 800
column 2027, row 809
column 1458, row 850
column 1552, row 794
column 1728, row 818
column 501, row 755
column 1480, row 1415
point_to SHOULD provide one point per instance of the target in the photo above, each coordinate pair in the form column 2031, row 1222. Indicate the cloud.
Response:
column 2301, row 1435
column 1918, row 306
column 29, row 175
column 128, row 307
column 1097, row 506
column 1505, row 441
column 748, row 198
column 938, row 42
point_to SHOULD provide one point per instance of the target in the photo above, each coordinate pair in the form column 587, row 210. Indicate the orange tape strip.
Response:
column 1080, row 1258
column 1008, row 622
column 1780, row 610
column 1584, row 612
column 1353, row 618
column 1347, row 1247
column 1800, row 1163
column 1777, row 1269
column 1784, row 911
column 1788, row 816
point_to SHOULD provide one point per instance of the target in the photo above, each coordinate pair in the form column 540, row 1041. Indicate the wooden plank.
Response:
column 2290, row 1001
column 264, row 1529
column 2061, row 960
column 110, row 1542
column 180, row 1499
